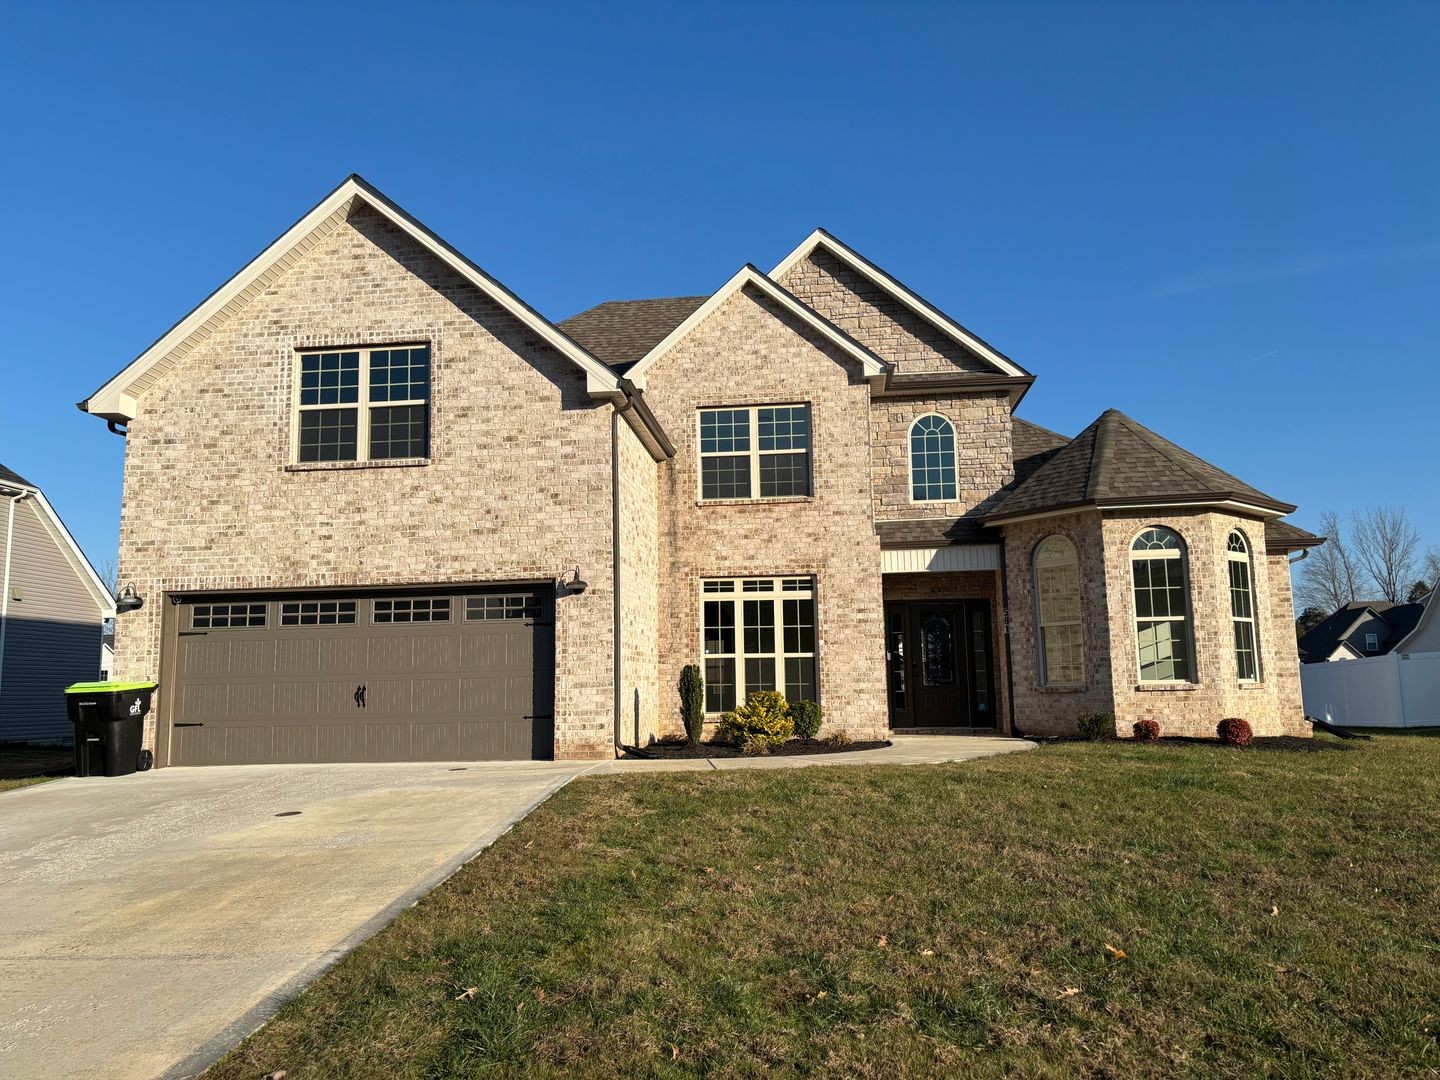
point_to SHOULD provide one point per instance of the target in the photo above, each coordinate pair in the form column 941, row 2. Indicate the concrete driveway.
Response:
column 147, row 923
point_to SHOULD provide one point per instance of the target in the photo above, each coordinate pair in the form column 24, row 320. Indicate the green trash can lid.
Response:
column 107, row 687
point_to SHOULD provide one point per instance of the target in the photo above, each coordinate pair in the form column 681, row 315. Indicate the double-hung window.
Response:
column 1162, row 606
column 1242, row 608
column 757, row 634
column 761, row 452
column 1057, row 609
column 363, row 404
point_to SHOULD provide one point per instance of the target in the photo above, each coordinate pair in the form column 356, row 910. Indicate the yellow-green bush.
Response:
column 763, row 719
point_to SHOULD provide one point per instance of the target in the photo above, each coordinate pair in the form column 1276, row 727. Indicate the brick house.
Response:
column 381, row 509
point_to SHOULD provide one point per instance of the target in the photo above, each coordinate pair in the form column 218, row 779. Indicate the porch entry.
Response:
column 940, row 660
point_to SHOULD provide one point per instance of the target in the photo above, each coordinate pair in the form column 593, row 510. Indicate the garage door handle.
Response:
column 360, row 697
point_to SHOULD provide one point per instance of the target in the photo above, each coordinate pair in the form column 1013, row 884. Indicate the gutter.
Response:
column 15, row 495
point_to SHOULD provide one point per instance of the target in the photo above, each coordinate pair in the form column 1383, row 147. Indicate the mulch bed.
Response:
column 666, row 750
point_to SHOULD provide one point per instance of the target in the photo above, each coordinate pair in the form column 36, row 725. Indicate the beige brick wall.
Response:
column 876, row 319
column 641, row 702
column 982, row 450
column 1053, row 710
column 750, row 353
column 1272, row 705
column 209, row 502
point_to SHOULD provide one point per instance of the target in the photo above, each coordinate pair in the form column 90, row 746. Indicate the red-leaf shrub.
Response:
column 1234, row 732
column 1146, row 730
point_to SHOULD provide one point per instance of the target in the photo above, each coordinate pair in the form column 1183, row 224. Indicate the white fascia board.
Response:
column 873, row 366
column 865, row 268
column 116, row 399
column 1198, row 504
column 101, row 591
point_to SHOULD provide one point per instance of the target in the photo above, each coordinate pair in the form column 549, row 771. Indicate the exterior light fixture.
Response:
column 572, row 582
column 128, row 600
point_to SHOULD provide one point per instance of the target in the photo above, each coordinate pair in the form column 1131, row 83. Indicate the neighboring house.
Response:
column 107, row 654
column 52, row 609
column 1360, row 628
column 379, row 508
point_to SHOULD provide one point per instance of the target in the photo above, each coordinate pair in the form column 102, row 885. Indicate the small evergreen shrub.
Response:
column 1095, row 725
column 765, row 715
column 1234, row 732
column 692, row 701
column 1146, row 730
column 806, row 717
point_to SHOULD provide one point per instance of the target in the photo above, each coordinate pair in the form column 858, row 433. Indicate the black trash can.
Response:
column 109, row 719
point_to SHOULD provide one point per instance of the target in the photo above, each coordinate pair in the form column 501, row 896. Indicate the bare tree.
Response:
column 1430, row 571
column 109, row 574
column 1386, row 545
column 1330, row 577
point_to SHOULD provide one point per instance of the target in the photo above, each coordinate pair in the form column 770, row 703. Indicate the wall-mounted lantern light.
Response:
column 128, row 600
column 572, row 582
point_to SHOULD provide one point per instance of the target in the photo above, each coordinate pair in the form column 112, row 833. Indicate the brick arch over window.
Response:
column 1161, row 581
column 1055, row 573
column 933, row 469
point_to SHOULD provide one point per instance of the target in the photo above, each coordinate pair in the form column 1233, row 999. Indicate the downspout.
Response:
column 16, row 496
column 615, row 566
column 1015, row 731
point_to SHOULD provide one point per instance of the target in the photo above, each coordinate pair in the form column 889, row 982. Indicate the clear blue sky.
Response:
column 1221, row 219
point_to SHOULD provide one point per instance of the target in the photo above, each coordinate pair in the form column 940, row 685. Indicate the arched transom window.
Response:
column 1242, row 608
column 1057, row 613
column 1162, row 608
column 932, row 460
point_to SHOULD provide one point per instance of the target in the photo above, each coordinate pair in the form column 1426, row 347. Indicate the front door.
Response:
column 939, row 657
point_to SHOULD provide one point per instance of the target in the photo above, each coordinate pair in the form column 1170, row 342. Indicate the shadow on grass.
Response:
column 23, row 764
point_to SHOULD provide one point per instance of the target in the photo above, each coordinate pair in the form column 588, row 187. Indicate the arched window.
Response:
column 1162, row 606
column 1242, row 608
column 1057, row 613
column 932, row 460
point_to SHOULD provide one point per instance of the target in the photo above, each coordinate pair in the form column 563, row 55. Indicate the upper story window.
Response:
column 761, row 452
column 1242, row 608
column 1372, row 642
column 363, row 404
column 1162, row 606
column 932, row 460
column 1057, row 610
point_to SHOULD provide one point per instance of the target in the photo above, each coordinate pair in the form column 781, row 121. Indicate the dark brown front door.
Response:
column 939, row 658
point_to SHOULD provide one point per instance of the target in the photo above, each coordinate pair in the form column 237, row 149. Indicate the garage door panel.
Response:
column 473, row 689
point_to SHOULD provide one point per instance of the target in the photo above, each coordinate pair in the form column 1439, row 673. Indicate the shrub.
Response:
column 1095, row 725
column 692, row 701
column 1234, row 732
column 763, row 716
column 806, row 717
column 755, row 745
column 837, row 738
column 1146, row 730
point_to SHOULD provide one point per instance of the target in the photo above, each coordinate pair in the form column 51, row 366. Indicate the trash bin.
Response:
column 109, row 719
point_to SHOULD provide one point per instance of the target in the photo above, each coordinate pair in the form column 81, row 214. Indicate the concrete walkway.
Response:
column 906, row 750
column 148, row 923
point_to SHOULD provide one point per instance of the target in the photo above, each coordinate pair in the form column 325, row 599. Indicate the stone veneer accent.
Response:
column 210, row 502
column 750, row 352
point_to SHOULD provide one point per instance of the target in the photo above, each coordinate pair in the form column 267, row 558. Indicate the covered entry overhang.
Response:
column 944, row 627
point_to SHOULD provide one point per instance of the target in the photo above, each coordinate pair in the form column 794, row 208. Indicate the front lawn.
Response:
column 22, row 764
column 1104, row 909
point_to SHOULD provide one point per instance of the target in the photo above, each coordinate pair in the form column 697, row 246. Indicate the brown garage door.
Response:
column 309, row 677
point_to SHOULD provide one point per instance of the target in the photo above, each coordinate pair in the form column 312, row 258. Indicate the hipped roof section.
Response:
column 116, row 399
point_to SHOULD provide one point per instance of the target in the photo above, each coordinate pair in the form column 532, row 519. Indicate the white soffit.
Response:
column 937, row 560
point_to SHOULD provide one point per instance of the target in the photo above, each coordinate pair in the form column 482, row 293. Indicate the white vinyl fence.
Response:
column 1396, row 690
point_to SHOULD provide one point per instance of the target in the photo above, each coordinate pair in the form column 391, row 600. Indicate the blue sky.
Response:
column 1221, row 219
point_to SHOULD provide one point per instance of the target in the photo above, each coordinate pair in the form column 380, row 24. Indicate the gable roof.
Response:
column 620, row 332
column 9, row 476
column 916, row 303
column 1399, row 620
column 748, row 276
column 115, row 400
column 1118, row 462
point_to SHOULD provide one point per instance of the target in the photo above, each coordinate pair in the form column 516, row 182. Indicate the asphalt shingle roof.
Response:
column 1323, row 638
column 9, row 476
column 1117, row 460
column 620, row 332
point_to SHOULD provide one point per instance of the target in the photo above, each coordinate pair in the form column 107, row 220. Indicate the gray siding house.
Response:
column 52, row 609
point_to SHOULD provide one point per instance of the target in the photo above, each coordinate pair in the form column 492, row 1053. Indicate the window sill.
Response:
column 1067, row 689
column 788, row 500
column 332, row 466
column 1166, row 687
column 1252, row 685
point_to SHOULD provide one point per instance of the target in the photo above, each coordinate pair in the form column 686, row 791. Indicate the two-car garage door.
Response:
column 393, row 676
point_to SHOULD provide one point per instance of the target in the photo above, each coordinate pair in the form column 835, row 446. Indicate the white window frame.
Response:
column 1372, row 642
column 1073, row 563
column 910, row 457
column 777, row 589
column 362, row 404
column 1243, row 557
column 755, row 453
column 1187, row 618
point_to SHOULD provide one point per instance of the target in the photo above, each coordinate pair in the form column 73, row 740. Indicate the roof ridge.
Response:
column 1100, row 455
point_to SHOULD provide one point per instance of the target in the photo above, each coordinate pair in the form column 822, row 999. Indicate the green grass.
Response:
column 1102, row 909
column 22, row 765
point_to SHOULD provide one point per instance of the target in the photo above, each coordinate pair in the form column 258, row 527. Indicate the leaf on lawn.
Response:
column 539, row 993
column 927, row 952
column 1119, row 954
column 882, row 942
column 470, row 992
column 674, row 1052
column 1274, row 910
column 278, row 1074
column 1069, row 992
column 707, row 869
